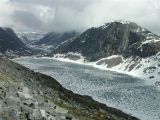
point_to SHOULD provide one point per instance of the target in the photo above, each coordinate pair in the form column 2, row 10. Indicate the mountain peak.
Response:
column 118, row 37
column 124, row 22
column 121, row 23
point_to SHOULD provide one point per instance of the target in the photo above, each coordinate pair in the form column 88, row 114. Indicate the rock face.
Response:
column 115, row 38
column 55, row 39
column 26, row 95
column 10, row 43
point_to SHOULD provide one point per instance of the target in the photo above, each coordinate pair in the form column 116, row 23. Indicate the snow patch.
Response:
column 150, row 41
column 62, row 57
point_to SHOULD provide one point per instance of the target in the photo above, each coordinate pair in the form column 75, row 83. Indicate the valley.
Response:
column 79, row 60
column 127, row 57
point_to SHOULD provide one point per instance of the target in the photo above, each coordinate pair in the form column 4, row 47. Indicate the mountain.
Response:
column 55, row 39
column 30, row 37
column 113, row 38
column 120, row 46
column 44, row 42
column 28, row 95
column 10, row 44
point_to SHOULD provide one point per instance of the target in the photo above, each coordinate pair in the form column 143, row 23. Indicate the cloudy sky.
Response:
column 66, row 15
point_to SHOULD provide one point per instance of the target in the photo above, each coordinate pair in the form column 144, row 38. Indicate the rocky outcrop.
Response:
column 115, row 38
column 26, row 95
column 144, row 50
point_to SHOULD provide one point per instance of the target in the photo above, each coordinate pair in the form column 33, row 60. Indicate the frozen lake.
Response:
column 130, row 94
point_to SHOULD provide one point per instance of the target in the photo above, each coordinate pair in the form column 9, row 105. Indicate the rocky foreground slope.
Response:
column 26, row 95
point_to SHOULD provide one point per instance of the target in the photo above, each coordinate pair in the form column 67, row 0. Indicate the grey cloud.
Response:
column 66, row 15
column 27, row 19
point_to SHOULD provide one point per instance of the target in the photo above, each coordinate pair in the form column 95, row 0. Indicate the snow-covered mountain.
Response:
column 30, row 37
column 120, row 46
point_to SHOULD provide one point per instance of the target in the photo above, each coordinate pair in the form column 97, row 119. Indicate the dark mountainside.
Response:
column 115, row 38
column 55, row 39
column 27, row 95
column 10, row 44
